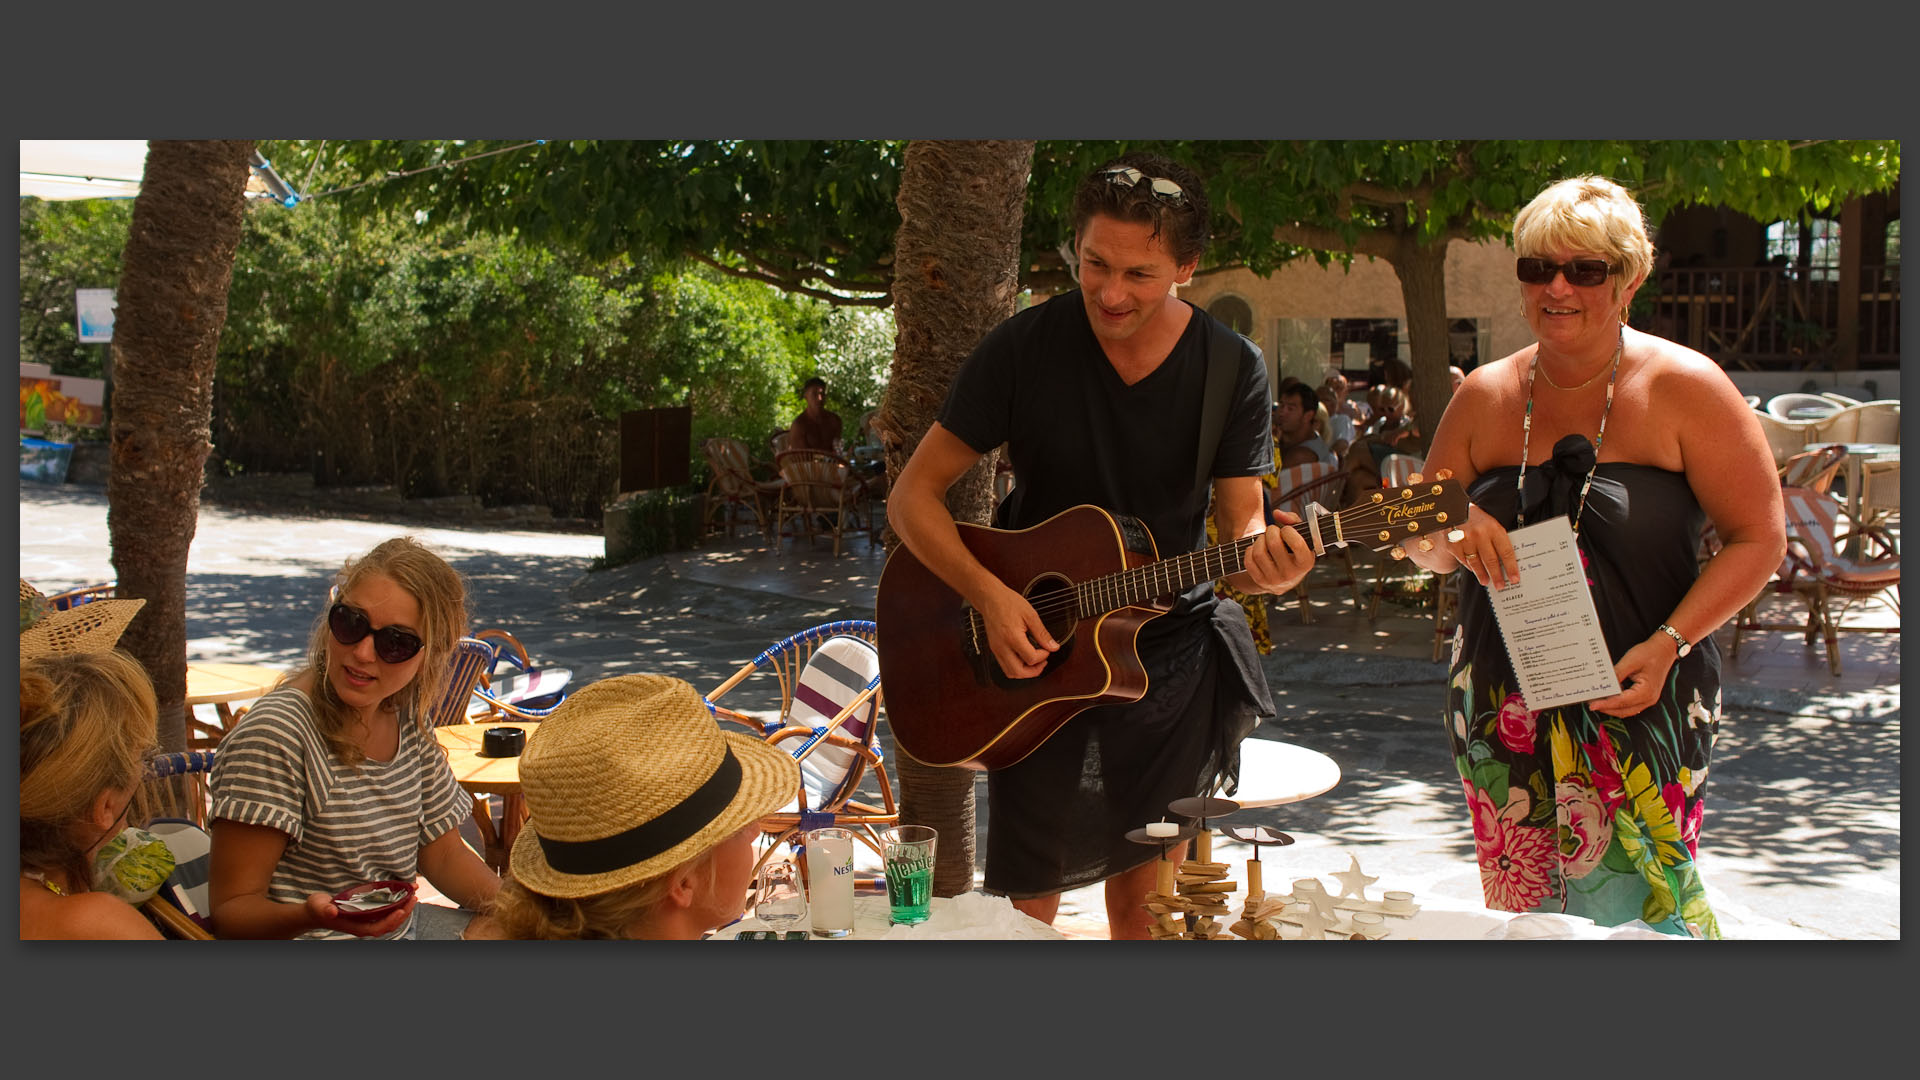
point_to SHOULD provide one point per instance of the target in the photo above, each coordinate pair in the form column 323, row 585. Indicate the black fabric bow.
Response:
column 1553, row 486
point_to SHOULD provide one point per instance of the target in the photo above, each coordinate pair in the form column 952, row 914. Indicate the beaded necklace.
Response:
column 1526, row 434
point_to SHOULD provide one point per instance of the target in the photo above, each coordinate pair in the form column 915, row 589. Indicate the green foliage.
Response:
column 66, row 246
column 651, row 523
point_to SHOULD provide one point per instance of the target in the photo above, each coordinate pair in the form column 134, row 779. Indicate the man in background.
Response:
column 815, row 428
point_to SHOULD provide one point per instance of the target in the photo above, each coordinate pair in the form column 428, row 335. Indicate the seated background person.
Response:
column 1392, row 422
column 333, row 779
column 1340, row 428
column 641, row 817
column 815, row 428
column 87, row 720
column 1293, row 420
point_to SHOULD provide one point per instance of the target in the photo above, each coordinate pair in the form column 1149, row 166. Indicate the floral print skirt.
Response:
column 1579, row 812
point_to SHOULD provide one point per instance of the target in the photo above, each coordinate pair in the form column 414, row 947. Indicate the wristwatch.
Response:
column 1685, row 646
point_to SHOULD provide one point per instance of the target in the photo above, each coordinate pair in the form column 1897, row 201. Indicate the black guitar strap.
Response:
column 1223, row 355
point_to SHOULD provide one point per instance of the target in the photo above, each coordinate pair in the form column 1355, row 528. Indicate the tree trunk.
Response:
column 1423, row 290
column 956, row 273
column 172, row 303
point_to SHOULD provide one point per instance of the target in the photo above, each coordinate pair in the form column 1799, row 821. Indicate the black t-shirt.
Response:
column 1075, row 433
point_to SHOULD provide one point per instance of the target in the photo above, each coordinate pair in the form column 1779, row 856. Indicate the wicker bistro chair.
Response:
column 1397, row 470
column 819, row 485
column 1880, row 490
column 86, row 594
column 828, row 682
column 1814, row 469
column 521, row 691
column 1324, row 484
column 1786, row 437
column 1815, row 570
column 174, row 803
column 733, row 486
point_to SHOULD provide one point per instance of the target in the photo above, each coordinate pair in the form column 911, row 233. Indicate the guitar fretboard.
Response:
column 1170, row 577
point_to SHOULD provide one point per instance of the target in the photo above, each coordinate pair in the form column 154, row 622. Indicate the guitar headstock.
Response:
column 1393, row 517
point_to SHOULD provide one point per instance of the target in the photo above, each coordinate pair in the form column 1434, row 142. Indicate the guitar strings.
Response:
column 1124, row 582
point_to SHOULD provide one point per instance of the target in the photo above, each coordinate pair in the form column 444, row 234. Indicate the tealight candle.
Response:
column 1163, row 829
column 1396, row 900
column 1370, row 924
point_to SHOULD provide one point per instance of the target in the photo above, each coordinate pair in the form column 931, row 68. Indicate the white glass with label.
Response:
column 830, row 881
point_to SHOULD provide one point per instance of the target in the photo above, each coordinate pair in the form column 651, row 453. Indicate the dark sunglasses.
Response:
column 390, row 643
column 1579, row 272
column 1164, row 190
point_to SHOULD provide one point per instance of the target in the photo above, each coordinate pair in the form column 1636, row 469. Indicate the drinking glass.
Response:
column 778, row 899
column 830, row 881
column 908, row 853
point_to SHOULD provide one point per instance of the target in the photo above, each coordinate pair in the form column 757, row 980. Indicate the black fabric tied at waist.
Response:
column 1552, row 488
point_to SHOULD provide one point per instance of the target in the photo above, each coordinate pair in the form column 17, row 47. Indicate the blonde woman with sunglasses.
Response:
column 1594, row 808
column 334, row 780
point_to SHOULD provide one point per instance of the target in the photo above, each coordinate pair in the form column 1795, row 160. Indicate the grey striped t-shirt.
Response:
column 345, row 826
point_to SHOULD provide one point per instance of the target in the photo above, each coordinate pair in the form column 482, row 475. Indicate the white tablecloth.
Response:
column 972, row 916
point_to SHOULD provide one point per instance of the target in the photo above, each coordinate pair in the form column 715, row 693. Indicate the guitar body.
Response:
column 948, row 702
column 1094, row 580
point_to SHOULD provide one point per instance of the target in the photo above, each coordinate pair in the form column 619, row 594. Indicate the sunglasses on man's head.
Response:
column 1164, row 190
column 1535, row 271
column 390, row 643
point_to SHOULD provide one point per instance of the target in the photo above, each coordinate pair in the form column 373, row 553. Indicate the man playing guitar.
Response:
column 1098, row 395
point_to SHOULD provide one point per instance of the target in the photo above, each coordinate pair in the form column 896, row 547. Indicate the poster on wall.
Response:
column 94, row 310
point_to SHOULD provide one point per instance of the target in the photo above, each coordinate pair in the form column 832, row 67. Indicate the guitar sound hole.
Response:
column 1052, row 599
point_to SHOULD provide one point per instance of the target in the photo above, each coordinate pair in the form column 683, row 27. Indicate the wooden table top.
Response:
column 212, row 684
column 481, row 775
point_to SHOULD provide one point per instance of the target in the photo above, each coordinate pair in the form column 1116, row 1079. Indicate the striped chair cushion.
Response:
column 836, row 674
column 529, row 687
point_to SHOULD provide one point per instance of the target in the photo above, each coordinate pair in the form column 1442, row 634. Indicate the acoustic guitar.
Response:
column 1094, row 579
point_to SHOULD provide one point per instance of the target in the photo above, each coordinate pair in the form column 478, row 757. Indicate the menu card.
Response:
column 1549, row 623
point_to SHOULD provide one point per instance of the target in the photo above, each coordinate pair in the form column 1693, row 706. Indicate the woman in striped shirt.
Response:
column 333, row 779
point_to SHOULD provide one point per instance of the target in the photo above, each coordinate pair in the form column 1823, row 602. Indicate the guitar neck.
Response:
column 1171, row 577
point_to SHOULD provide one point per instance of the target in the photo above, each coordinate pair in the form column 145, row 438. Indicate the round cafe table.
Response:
column 220, row 685
column 1274, row 773
column 484, row 776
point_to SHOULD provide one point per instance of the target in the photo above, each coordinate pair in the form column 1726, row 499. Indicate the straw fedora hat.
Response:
column 91, row 627
column 632, row 776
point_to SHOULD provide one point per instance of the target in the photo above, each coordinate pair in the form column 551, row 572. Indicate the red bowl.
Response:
column 382, row 911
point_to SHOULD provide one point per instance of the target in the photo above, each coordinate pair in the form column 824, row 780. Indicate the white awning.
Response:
column 91, row 169
column 82, row 168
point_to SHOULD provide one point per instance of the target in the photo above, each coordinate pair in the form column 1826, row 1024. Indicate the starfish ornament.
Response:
column 1354, row 883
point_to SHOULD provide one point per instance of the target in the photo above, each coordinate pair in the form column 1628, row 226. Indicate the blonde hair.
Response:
column 87, row 724
column 1588, row 213
column 521, row 914
column 440, row 592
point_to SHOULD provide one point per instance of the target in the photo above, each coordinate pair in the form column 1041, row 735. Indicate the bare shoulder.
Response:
column 1681, row 377
column 89, row 916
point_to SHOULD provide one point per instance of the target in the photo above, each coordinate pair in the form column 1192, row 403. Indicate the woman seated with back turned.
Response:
column 641, row 817
column 87, row 719
column 333, row 779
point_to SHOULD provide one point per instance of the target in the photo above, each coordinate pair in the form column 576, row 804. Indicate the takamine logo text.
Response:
column 1414, row 510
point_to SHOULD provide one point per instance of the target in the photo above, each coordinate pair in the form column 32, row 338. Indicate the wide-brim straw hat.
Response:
column 92, row 627
column 630, row 777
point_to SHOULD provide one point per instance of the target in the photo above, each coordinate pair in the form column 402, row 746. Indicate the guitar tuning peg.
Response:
column 1443, row 474
column 1426, row 544
column 1415, row 478
column 1398, row 553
